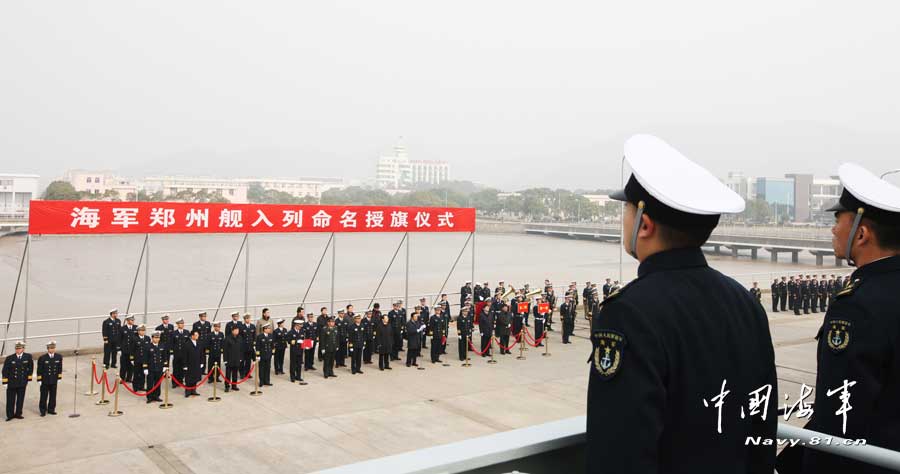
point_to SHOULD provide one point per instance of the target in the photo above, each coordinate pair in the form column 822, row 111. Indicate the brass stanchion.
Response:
column 521, row 344
column 91, row 392
column 546, row 344
column 103, row 400
column 214, row 398
column 115, row 411
column 166, row 377
column 467, row 363
column 491, row 349
column 256, row 391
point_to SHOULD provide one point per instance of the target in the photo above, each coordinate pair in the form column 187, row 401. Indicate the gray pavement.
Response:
column 292, row 428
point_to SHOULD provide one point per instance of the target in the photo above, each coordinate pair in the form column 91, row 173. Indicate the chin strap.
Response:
column 850, row 238
column 636, row 227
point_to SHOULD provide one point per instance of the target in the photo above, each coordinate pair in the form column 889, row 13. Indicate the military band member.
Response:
column 166, row 331
column 586, row 295
column 502, row 326
column 414, row 329
column 550, row 298
column 49, row 372
column 265, row 346
column 193, row 367
column 539, row 318
column 205, row 328
column 17, row 372
column 859, row 341
column 311, row 332
column 356, row 344
column 384, row 340
column 340, row 355
column 129, row 332
column 248, row 334
column 464, row 326
column 329, row 340
column 155, row 363
column 112, row 336
column 180, row 340
column 518, row 316
column 234, row 358
column 280, row 336
column 486, row 328
column 368, row 325
column 138, row 348
column 567, row 314
column 485, row 292
column 214, row 349
column 644, row 335
column 425, row 316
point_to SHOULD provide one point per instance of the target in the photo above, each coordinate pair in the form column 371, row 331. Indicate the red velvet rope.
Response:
column 229, row 382
column 158, row 383
column 105, row 379
column 533, row 343
column 195, row 387
column 97, row 380
column 497, row 340
column 483, row 351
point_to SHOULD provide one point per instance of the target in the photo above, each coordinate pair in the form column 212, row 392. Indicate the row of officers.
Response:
column 810, row 293
column 19, row 370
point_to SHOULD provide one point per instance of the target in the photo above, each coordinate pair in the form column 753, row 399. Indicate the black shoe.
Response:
column 380, row 368
column 407, row 365
column 236, row 389
column 43, row 414
column 9, row 419
column 151, row 401
column 359, row 371
column 415, row 364
column 388, row 368
column 19, row 417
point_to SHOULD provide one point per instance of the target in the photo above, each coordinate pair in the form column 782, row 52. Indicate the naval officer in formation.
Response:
column 679, row 334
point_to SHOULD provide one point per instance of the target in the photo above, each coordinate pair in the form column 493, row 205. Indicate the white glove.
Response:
column 146, row 371
column 201, row 366
column 39, row 383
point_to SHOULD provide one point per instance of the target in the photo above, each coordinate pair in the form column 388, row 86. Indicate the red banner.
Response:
column 103, row 217
column 543, row 308
column 306, row 344
column 523, row 307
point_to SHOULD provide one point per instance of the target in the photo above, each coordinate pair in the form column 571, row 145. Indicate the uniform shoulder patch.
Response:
column 849, row 287
column 609, row 346
column 613, row 295
column 838, row 335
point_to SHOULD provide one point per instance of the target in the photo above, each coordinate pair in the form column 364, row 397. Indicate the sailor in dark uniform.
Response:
column 129, row 332
column 414, row 339
column 49, row 373
column 859, row 342
column 180, row 340
column 340, row 356
column 502, row 325
column 294, row 339
column 775, row 295
column 464, row 327
column 248, row 336
column 437, row 334
column 567, row 314
column 234, row 358
column 356, row 343
column 792, row 290
column 235, row 322
column 757, row 294
column 486, row 328
column 265, row 348
column 425, row 316
column 112, row 337
column 539, row 320
column 368, row 325
column 166, row 330
column 311, row 332
column 140, row 342
column 804, row 294
column 17, row 372
column 782, row 293
column 205, row 328
column 280, row 335
column 214, row 349
column 156, row 362
column 663, row 349
column 823, row 294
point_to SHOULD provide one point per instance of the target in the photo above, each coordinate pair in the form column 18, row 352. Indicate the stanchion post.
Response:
column 103, row 400
column 214, row 397
column 467, row 363
column 546, row 344
column 115, row 411
column 521, row 344
column 256, row 391
column 491, row 348
column 75, row 389
column 166, row 377
column 91, row 392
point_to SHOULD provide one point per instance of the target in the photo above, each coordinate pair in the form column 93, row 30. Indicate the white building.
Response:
column 234, row 190
column 100, row 182
column 598, row 199
column 16, row 191
column 398, row 171
column 299, row 187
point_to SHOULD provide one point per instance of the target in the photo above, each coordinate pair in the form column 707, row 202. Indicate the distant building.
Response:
column 397, row 171
column 823, row 193
column 598, row 199
column 780, row 194
column 98, row 183
column 742, row 185
column 299, row 187
column 16, row 192
column 234, row 190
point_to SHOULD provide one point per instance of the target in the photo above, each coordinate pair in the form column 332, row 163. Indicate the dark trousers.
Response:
column 126, row 367
column 435, row 351
column 411, row 355
column 822, row 304
column 279, row 359
column 15, row 398
column 247, row 363
column 213, row 361
column 341, row 355
column 233, row 371
column 463, row 347
column 153, row 377
column 517, row 328
column 177, row 370
column 265, row 369
column 538, row 332
column 367, row 352
column 140, row 380
column 814, row 304
column 568, row 329
column 296, row 361
column 791, row 302
column 774, row 302
column 48, row 399
column 309, row 357
column 806, row 305
column 796, row 304
column 783, row 301
column 355, row 360
column 328, row 359
column 504, row 340
column 109, row 355
column 398, row 346
column 384, row 361
column 485, row 343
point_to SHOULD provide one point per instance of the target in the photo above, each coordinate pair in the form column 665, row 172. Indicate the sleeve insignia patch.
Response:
column 838, row 335
column 608, row 349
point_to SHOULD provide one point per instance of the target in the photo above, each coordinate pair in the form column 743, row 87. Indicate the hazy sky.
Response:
column 509, row 92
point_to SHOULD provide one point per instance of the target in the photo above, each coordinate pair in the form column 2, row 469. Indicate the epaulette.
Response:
column 615, row 294
column 849, row 287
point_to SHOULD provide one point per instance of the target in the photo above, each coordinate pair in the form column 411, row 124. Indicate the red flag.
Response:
column 523, row 307
column 543, row 308
column 306, row 344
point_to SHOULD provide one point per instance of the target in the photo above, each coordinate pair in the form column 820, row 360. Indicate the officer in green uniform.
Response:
column 329, row 340
column 678, row 352
column 859, row 342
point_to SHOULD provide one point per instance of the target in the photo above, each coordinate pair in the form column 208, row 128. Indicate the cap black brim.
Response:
column 837, row 207
column 618, row 195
